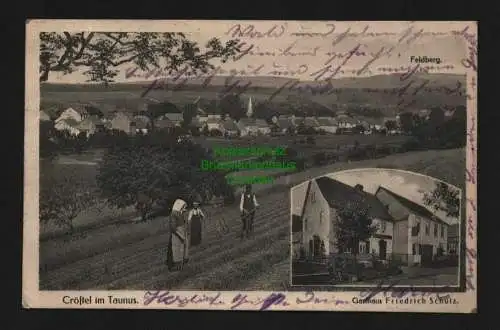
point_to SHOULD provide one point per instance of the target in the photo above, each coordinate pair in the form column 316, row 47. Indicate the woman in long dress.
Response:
column 195, row 218
column 178, row 246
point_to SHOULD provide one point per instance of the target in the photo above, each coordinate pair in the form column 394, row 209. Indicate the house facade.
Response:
column 419, row 235
column 121, row 122
column 69, row 125
column 324, row 199
column 394, row 217
column 44, row 116
column 88, row 125
column 453, row 237
column 328, row 125
column 214, row 124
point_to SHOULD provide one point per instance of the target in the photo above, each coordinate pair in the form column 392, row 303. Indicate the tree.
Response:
column 436, row 117
column 406, row 121
column 188, row 113
column 156, row 169
column 62, row 199
column 205, row 131
column 99, row 54
column 231, row 104
column 48, row 149
column 390, row 125
column 354, row 226
column 444, row 198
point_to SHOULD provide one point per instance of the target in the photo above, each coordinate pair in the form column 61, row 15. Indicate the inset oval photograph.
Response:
column 360, row 227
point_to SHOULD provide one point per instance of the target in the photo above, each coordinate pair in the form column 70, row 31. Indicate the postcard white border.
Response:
column 32, row 297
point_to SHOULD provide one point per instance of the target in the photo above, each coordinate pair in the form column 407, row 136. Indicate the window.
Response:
column 414, row 249
column 320, row 217
column 305, row 224
column 442, row 231
column 435, row 230
column 383, row 226
column 313, row 197
column 427, row 230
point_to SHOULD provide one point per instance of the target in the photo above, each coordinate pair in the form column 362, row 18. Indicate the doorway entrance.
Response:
column 382, row 248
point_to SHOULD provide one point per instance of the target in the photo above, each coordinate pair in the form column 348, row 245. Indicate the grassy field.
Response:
column 132, row 255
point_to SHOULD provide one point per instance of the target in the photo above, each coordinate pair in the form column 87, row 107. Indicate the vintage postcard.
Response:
column 251, row 165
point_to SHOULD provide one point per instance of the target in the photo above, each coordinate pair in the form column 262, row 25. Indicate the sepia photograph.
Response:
column 360, row 226
column 235, row 156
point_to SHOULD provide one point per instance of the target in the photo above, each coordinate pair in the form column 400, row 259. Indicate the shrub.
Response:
column 319, row 158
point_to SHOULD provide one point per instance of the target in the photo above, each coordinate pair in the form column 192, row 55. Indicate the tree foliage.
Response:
column 100, row 54
column 444, row 198
column 232, row 104
column 63, row 198
column 391, row 125
column 157, row 167
column 406, row 120
column 188, row 113
column 354, row 226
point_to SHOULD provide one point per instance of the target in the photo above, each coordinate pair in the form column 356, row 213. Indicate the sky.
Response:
column 311, row 53
column 407, row 184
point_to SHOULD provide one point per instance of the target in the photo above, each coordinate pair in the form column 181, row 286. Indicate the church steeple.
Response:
column 249, row 108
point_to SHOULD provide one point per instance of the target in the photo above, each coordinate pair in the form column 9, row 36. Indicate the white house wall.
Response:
column 426, row 239
column 70, row 114
column 63, row 126
column 400, row 238
column 316, row 219
column 329, row 129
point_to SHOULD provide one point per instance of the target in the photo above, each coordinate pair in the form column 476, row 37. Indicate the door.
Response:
column 382, row 248
column 426, row 255
column 317, row 246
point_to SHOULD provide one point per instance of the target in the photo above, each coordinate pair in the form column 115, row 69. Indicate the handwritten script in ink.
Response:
column 311, row 68
column 239, row 300
column 388, row 288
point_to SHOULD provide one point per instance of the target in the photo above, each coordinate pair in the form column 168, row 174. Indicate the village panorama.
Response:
column 136, row 192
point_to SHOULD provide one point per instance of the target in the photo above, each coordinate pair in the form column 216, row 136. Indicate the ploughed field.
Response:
column 132, row 255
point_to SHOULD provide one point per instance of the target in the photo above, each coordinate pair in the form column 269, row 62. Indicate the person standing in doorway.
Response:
column 196, row 218
column 248, row 205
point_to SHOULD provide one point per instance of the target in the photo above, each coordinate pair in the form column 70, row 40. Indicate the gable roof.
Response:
column 164, row 123
column 173, row 116
column 44, row 116
column 339, row 194
column 420, row 209
column 123, row 114
column 86, row 124
column 70, row 122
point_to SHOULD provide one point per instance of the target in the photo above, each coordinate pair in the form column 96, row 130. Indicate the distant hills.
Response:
column 378, row 81
column 381, row 92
